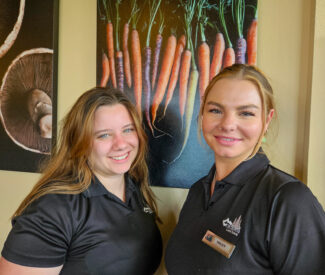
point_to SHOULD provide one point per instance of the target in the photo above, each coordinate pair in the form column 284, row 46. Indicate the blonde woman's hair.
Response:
column 256, row 77
column 67, row 171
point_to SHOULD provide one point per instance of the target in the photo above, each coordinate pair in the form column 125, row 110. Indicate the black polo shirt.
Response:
column 90, row 233
column 260, row 221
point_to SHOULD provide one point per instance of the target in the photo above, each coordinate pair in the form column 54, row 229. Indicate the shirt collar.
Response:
column 244, row 171
column 247, row 169
column 96, row 188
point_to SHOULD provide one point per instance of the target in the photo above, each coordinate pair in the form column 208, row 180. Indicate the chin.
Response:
column 226, row 154
column 122, row 170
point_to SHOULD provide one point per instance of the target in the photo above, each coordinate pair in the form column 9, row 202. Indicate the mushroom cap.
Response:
column 30, row 70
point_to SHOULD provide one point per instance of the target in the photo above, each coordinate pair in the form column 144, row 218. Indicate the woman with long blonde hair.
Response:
column 245, row 216
column 92, row 211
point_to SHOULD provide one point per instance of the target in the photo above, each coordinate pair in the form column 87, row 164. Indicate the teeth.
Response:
column 120, row 157
column 228, row 139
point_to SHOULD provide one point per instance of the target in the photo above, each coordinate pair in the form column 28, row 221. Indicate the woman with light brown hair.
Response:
column 92, row 211
column 245, row 216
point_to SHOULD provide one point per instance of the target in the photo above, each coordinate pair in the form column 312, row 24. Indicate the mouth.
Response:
column 227, row 140
column 122, row 157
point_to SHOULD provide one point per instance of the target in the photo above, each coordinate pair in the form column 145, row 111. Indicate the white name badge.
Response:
column 217, row 243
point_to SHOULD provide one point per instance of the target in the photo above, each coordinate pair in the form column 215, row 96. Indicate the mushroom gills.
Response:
column 39, row 106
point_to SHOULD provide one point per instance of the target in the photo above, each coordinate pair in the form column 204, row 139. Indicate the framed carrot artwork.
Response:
column 162, row 54
column 28, row 75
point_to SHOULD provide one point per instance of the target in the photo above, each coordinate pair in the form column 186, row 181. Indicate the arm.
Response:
column 10, row 268
column 296, row 231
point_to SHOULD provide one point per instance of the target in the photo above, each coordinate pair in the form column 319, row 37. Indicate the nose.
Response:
column 119, row 142
column 228, row 122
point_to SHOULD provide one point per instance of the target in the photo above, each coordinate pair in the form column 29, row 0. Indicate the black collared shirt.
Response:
column 90, row 233
column 270, row 219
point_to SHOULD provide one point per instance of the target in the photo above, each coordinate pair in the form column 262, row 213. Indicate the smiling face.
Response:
column 115, row 141
column 232, row 119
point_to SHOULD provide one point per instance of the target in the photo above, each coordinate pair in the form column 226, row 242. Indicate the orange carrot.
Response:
column 105, row 71
column 183, row 80
column 137, row 68
column 252, row 43
column 165, row 71
column 175, row 70
column 219, row 48
column 204, row 67
column 127, row 66
column 229, row 57
column 110, row 48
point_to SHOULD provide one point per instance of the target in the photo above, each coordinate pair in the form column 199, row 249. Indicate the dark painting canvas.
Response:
column 162, row 54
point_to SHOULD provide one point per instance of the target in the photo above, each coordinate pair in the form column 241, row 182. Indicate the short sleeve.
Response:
column 40, row 237
column 296, row 231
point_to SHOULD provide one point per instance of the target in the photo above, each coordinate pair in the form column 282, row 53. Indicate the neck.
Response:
column 114, row 184
column 224, row 168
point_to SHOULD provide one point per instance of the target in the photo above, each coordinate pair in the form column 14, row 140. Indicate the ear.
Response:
column 269, row 118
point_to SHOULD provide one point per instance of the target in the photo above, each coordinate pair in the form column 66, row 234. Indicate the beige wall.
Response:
column 289, row 53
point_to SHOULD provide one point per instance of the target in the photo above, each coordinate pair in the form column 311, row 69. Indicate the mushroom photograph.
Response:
column 28, row 75
column 26, row 100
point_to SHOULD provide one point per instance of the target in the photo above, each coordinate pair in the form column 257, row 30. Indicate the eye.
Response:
column 247, row 113
column 129, row 130
column 102, row 136
column 214, row 111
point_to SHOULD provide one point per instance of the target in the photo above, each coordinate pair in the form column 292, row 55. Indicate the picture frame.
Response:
column 28, row 75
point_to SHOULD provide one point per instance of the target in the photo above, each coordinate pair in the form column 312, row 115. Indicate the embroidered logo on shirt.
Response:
column 232, row 227
column 147, row 209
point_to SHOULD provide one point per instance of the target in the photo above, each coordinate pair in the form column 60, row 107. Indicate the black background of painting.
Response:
column 196, row 159
column 38, row 30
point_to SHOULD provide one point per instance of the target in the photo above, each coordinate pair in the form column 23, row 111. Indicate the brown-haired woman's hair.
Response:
column 256, row 77
column 67, row 171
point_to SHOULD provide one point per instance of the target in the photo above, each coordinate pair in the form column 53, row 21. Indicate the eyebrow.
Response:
column 242, row 107
column 108, row 130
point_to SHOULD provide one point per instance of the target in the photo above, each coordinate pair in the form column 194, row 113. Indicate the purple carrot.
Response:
column 120, row 70
column 146, row 83
column 156, row 60
column 238, row 15
column 240, row 51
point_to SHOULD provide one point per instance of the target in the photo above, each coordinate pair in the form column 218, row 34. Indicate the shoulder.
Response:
column 272, row 180
column 278, row 177
column 55, row 210
column 292, row 197
column 52, row 203
column 298, row 197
